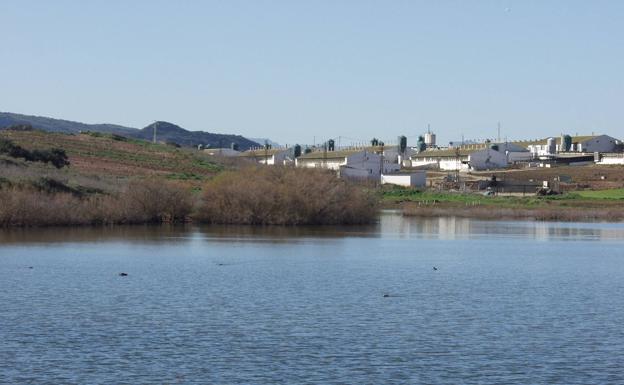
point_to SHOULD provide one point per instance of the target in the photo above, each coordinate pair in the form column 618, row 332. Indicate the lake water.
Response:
column 509, row 303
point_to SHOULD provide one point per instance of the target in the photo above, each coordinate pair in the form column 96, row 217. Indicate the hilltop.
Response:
column 166, row 132
column 169, row 132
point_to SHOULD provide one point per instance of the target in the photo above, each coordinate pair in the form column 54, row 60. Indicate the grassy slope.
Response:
column 99, row 161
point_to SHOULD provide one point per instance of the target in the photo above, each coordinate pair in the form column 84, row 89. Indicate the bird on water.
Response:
column 435, row 268
column 123, row 274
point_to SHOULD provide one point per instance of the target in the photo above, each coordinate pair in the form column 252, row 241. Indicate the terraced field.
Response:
column 103, row 161
column 107, row 154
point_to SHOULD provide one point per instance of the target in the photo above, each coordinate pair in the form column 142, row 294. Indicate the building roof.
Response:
column 261, row 153
column 450, row 152
column 330, row 154
column 575, row 139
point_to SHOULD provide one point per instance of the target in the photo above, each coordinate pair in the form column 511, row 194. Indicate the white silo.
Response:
column 551, row 146
column 430, row 139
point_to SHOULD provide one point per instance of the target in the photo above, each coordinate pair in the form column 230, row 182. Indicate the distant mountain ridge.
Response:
column 165, row 131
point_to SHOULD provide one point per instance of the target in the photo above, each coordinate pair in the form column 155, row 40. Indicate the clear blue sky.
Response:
column 292, row 70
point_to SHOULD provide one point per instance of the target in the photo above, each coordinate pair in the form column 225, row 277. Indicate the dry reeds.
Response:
column 140, row 202
column 285, row 196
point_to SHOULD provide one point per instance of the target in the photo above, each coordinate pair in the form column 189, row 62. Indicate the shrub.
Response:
column 7, row 147
column 156, row 201
column 50, row 202
column 56, row 156
column 285, row 196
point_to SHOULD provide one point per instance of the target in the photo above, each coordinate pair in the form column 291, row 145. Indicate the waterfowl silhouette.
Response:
column 123, row 274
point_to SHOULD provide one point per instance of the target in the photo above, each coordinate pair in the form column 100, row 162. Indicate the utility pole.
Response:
column 498, row 141
column 155, row 126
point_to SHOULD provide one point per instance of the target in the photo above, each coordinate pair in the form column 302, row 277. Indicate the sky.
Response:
column 307, row 71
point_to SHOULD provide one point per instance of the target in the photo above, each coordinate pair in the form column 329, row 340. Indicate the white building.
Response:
column 349, row 163
column 611, row 158
column 515, row 152
column 271, row 156
column 477, row 157
column 593, row 143
column 411, row 179
column 221, row 152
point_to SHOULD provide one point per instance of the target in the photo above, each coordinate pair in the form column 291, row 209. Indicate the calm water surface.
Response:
column 510, row 303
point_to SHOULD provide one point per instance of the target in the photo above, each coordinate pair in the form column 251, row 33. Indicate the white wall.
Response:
column 452, row 164
column 513, row 156
column 331, row 164
column 221, row 152
column 487, row 159
column 413, row 179
column 602, row 143
column 612, row 159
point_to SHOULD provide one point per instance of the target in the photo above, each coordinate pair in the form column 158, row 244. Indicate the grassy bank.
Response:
column 576, row 206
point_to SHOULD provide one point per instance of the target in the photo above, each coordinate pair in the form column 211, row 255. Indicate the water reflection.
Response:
column 390, row 225
column 451, row 228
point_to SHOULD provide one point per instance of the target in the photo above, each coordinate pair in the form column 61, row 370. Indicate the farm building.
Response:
column 592, row 143
column 226, row 151
column 477, row 157
column 271, row 156
column 361, row 163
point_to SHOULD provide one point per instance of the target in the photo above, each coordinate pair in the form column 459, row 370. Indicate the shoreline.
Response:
column 526, row 214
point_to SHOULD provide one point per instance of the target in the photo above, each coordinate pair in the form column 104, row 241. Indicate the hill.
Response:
column 166, row 132
column 105, row 161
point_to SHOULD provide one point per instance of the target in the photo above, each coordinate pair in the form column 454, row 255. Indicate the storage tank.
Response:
column 420, row 145
column 402, row 144
column 551, row 146
column 566, row 143
column 430, row 139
